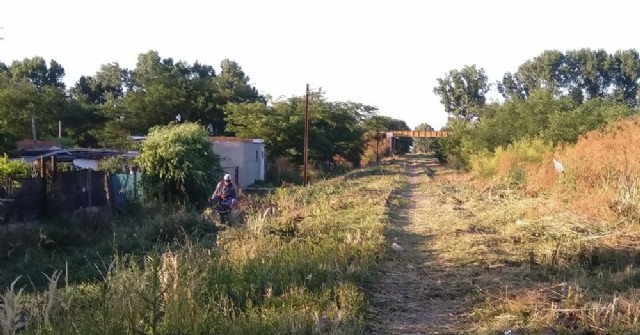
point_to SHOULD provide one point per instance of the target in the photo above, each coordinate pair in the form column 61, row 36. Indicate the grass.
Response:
column 295, row 264
column 558, row 253
column 81, row 242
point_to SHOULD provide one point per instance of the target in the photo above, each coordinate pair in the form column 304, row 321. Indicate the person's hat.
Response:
column 227, row 177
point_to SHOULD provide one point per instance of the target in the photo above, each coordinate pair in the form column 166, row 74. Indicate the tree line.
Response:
column 556, row 96
column 105, row 109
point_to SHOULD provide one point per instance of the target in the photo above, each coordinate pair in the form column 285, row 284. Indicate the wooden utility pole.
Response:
column 33, row 124
column 306, row 135
column 377, row 147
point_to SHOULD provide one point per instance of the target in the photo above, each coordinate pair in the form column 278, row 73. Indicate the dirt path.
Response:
column 415, row 294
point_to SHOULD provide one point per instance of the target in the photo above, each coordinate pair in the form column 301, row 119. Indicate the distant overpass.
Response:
column 417, row 133
column 393, row 135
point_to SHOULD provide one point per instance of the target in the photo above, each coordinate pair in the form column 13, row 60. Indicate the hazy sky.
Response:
column 382, row 53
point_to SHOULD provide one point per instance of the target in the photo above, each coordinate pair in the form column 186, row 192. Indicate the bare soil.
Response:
column 415, row 293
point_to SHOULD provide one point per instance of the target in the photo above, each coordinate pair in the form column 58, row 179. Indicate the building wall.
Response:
column 249, row 156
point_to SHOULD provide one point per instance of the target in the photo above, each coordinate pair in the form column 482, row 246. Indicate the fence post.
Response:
column 89, row 188
column 135, row 185
column 43, row 175
column 54, row 169
column 107, row 189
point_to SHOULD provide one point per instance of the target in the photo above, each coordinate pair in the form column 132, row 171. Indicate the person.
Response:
column 224, row 197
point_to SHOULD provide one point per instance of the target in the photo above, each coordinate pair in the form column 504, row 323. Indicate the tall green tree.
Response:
column 232, row 85
column 32, row 90
column 463, row 92
column 36, row 71
column 335, row 128
column 591, row 75
column 626, row 71
column 21, row 102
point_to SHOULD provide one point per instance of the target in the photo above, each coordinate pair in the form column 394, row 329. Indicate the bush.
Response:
column 13, row 168
column 510, row 164
column 179, row 164
column 114, row 165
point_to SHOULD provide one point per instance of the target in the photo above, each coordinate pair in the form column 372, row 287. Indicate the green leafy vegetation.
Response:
column 179, row 163
column 109, row 107
column 296, row 265
column 556, row 97
column 13, row 168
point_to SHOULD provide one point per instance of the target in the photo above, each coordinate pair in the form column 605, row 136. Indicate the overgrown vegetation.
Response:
column 555, row 96
column 13, row 168
column 107, row 108
column 295, row 265
column 545, row 227
column 179, row 163
column 564, row 239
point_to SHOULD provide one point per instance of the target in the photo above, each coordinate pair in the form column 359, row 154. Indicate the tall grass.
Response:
column 568, row 259
column 295, row 266
column 509, row 165
column 603, row 168
column 601, row 175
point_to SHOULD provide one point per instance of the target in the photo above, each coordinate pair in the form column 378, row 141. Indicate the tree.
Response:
column 179, row 163
column 18, row 101
column 569, row 125
column 36, row 71
column 232, row 86
column 590, row 72
column 547, row 71
column 462, row 92
column 7, row 138
column 626, row 71
column 582, row 74
column 423, row 144
column 335, row 128
column 32, row 91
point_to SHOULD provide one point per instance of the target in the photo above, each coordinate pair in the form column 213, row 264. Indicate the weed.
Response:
column 295, row 264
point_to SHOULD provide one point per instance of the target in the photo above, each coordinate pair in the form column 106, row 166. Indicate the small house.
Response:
column 243, row 158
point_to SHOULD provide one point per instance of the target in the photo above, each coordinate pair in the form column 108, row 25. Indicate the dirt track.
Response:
column 414, row 294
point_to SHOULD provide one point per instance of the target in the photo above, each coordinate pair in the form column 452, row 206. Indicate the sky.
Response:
column 387, row 54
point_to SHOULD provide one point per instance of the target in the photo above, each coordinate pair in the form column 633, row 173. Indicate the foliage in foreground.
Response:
column 296, row 267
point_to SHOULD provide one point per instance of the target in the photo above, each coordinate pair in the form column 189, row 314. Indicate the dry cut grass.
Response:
column 553, row 253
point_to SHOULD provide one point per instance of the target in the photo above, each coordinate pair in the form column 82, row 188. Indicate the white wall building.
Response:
column 243, row 158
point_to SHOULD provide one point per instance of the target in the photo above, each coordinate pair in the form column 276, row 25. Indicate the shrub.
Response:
column 511, row 164
column 114, row 165
column 13, row 168
column 178, row 163
column 374, row 150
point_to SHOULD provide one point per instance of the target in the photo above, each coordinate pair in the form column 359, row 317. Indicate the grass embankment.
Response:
column 549, row 252
column 295, row 266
